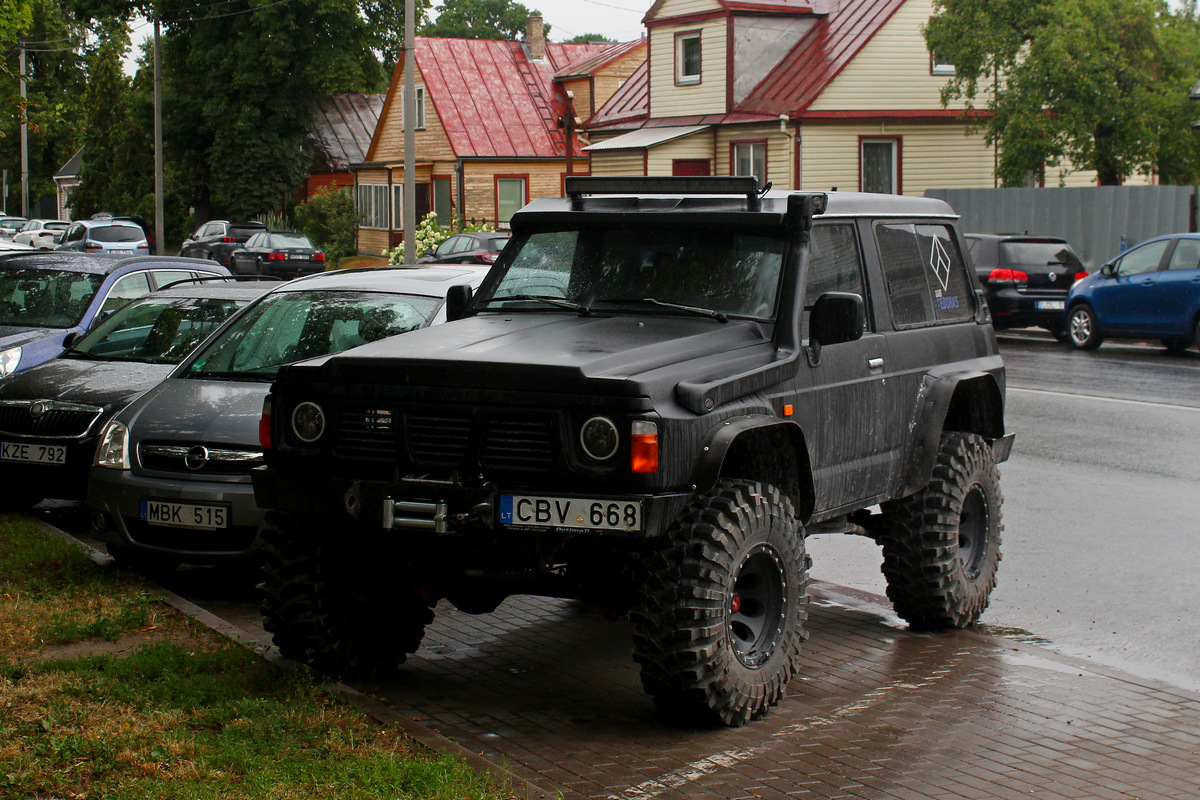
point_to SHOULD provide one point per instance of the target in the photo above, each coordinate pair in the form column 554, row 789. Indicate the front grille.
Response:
column 198, row 459
column 451, row 437
column 49, row 418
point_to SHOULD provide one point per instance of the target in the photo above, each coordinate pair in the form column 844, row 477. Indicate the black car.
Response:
column 216, row 239
column 51, row 414
column 1026, row 278
column 705, row 375
column 467, row 248
column 283, row 255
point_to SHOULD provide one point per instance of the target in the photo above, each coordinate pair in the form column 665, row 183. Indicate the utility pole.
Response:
column 24, row 140
column 410, row 138
column 159, row 224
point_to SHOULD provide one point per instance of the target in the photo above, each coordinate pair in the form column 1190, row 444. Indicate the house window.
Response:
column 398, row 207
column 419, row 105
column 441, row 201
column 687, row 58
column 879, row 171
column 510, row 196
column 939, row 65
column 372, row 202
column 750, row 158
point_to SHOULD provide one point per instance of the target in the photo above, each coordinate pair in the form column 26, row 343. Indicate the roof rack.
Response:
column 579, row 185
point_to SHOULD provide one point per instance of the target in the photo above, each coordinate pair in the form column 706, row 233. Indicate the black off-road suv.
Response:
column 663, row 386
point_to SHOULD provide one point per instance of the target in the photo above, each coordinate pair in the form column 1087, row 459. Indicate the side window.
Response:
column 834, row 265
column 925, row 274
column 128, row 288
column 1142, row 259
column 76, row 233
column 162, row 277
column 449, row 246
column 1186, row 255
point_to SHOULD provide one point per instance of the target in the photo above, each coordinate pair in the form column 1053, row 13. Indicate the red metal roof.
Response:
column 630, row 102
column 597, row 62
column 492, row 100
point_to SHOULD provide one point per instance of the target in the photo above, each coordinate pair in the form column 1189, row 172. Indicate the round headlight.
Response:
column 308, row 422
column 599, row 438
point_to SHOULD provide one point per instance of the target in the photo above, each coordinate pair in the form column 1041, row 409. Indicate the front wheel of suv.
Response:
column 1082, row 329
column 721, row 617
column 941, row 546
column 333, row 604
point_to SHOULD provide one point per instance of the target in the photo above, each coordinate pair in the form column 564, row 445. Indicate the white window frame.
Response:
column 939, row 66
column 418, row 104
column 398, row 207
column 682, row 78
column 758, row 155
column 524, row 184
column 371, row 200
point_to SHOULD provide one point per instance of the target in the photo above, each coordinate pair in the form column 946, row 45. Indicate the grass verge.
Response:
column 107, row 692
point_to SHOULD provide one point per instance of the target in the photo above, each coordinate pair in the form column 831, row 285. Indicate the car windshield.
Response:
column 1037, row 254
column 288, row 240
column 661, row 271
column 116, row 233
column 292, row 326
column 46, row 298
column 156, row 330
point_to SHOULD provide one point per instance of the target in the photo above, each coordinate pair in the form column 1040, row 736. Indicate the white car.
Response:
column 40, row 233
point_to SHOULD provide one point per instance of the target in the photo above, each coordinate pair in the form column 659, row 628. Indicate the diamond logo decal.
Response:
column 939, row 262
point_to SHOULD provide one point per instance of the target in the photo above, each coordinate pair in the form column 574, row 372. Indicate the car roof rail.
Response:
column 579, row 185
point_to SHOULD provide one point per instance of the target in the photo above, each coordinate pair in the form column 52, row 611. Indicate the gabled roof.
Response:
column 760, row 6
column 492, row 99
column 343, row 125
column 601, row 60
column 791, row 86
column 71, row 168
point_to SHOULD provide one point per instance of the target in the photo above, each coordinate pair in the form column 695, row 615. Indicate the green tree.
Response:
column 589, row 38
column 480, row 19
column 330, row 219
column 105, row 119
column 1065, row 80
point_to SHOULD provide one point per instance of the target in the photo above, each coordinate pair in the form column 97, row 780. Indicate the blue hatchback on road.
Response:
column 1151, row 291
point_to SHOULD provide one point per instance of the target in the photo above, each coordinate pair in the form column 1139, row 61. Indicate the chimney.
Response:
column 535, row 41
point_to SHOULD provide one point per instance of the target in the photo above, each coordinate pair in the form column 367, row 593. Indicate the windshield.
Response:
column 729, row 272
column 292, row 326
column 156, row 331
column 116, row 233
column 45, row 298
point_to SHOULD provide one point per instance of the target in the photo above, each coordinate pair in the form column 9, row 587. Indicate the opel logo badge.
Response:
column 196, row 458
column 1053, row 277
column 38, row 410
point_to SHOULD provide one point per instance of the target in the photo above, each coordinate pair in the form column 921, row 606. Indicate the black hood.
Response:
column 75, row 380
column 639, row 355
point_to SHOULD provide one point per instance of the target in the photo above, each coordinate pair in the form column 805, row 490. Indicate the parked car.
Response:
column 467, row 248
column 1151, row 291
column 51, row 414
column 47, row 299
column 216, row 239
column 284, row 255
column 1025, row 278
column 40, row 233
column 105, row 236
column 171, row 481
column 10, row 225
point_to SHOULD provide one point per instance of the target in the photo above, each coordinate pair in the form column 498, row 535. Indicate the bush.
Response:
column 330, row 219
column 430, row 234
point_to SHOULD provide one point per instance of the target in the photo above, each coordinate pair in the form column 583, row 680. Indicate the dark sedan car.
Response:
column 50, row 414
column 1025, row 278
column 283, row 255
column 47, row 298
column 216, row 239
column 467, row 248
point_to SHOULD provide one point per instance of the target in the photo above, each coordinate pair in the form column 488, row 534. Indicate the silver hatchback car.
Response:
column 171, row 478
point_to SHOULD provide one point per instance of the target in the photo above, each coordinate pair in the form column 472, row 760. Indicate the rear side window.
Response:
column 117, row 233
column 926, row 278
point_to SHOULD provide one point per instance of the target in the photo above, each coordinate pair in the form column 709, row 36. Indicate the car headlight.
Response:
column 113, row 450
column 599, row 438
column 9, row 360
column 308, row 422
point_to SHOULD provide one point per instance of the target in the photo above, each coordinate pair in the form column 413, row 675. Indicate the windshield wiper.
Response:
column 703, row 312
column 581, row 310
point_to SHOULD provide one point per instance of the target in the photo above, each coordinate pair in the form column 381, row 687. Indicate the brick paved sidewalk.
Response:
column 547, row 689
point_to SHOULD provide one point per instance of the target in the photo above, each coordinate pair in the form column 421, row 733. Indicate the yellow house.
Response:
column 804, row 94
column 494, row 128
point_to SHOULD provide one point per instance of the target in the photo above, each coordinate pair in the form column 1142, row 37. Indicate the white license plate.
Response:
column 529, row 511
column 184, row 515
column 1050, row 305
column 300, row 257
column 33, row 453
column 121, row 252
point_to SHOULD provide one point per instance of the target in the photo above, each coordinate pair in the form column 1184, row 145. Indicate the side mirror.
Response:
column 70, row 339
column 836, row 317
column 457, row 299
column 1109, row 271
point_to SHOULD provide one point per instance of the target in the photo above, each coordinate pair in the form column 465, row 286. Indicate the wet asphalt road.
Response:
column 1102, row 508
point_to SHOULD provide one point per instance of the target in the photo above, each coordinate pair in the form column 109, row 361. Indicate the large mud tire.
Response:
column 337, row 605
column 941, row 546
column 721, row 617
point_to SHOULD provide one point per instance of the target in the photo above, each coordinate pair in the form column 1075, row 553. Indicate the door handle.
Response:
column 875, row 363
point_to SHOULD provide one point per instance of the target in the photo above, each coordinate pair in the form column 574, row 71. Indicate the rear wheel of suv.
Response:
column 721, row 619
column 941, row 546
column 1082, row 329
column 338, row 608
